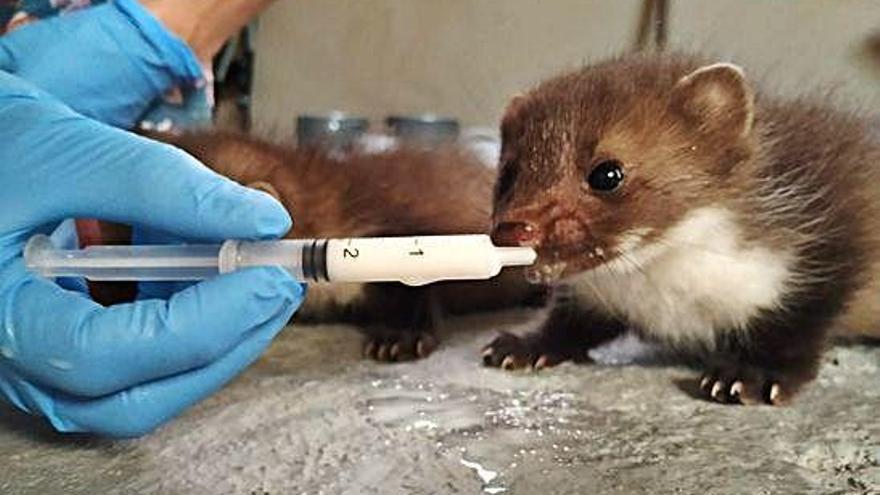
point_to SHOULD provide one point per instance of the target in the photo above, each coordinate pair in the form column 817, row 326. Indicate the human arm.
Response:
column 205, row 24
column 110, row 62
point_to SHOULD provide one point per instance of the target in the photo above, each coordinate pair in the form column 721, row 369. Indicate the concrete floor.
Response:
column 313, row 418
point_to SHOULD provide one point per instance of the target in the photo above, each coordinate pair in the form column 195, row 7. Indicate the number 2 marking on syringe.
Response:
column 350, row 252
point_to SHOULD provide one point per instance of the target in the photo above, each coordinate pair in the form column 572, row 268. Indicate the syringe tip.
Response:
column 516, row 256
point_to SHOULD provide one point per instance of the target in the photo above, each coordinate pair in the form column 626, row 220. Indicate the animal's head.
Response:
column 601, row 162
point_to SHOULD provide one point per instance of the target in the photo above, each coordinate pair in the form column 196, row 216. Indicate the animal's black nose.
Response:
column 515, row 233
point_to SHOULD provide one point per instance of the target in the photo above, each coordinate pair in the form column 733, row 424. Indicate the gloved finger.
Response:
column 114, row 175
column 72, row 344
column 122, row 177
column 141, row 409
column 160, row 290
column 122, row 60
column 74, row 284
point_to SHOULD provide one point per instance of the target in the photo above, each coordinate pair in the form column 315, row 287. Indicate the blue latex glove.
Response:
column 108, row 62
column 122, row 370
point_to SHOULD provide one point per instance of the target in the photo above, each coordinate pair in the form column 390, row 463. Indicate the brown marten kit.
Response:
column 399, row 192
column 670, row 196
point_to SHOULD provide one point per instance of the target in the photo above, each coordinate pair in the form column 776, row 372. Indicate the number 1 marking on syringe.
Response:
column 418, row 251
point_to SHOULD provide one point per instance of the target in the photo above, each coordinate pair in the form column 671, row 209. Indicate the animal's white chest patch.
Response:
column 698, row 279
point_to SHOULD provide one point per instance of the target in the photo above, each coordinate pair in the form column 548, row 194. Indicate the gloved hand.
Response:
column 108, row 62
column 122, row 370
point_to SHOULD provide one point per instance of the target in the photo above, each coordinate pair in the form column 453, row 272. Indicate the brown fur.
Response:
column 353, row 193
column 686, row 140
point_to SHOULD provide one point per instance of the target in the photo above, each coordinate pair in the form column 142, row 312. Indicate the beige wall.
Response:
column 465, row 57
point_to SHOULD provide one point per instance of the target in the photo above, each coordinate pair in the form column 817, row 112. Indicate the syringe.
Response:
column 411, row 260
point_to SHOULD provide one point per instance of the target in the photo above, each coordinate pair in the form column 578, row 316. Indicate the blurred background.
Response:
column 465, row 58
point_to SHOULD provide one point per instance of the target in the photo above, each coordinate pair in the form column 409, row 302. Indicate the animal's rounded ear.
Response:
column 510, row 121
column 715, row 99
column 266, row 187
column 514, row 102
column 513, row 109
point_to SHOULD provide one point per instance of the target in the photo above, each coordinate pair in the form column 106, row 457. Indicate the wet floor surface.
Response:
column 312, row 417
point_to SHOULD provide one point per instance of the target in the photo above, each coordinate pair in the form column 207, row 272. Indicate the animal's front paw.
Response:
column 745, row 385
column 510, row 352
column 399, row 346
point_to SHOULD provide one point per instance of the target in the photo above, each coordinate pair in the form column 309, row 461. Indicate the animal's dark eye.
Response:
column 606, row 176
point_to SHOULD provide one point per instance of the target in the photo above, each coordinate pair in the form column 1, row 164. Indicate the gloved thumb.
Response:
column 163, row 187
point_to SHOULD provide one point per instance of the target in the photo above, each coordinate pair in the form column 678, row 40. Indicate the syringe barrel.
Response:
column 122, row 263
column 411, row 260
column 287, row 253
